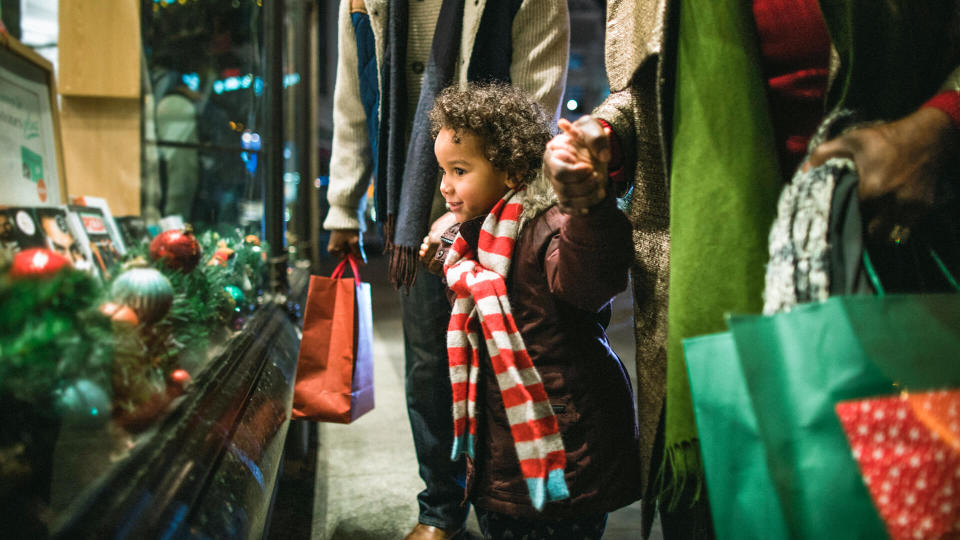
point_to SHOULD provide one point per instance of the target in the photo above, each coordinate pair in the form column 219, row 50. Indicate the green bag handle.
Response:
column 875, row 279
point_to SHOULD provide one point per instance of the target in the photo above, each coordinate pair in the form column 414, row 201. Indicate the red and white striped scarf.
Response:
column 478, row 279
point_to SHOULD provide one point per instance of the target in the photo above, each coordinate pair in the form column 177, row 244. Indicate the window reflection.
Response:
column 204, row 87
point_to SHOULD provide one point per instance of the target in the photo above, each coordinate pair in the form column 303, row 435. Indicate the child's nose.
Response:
column 445, row 188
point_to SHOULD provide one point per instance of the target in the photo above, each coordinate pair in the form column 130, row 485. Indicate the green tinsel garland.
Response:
column 52, row 333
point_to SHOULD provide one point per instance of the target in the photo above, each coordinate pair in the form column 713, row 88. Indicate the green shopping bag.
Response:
column 799, row 364
column 743, row 500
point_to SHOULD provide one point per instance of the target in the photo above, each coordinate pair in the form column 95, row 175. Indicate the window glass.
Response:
column 93, row 361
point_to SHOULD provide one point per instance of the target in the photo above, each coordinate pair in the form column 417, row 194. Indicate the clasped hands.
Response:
column 576, row 161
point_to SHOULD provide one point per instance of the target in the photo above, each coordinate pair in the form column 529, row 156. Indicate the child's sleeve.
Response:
column 587, row 262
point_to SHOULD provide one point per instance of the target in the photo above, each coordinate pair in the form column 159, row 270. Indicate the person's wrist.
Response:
column 949, row 103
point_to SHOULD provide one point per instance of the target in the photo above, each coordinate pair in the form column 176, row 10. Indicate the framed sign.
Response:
column 31, row 158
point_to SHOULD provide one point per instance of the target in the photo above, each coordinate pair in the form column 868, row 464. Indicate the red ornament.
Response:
column 221, row 255
column 178, row 250
column 125, row 315
column 180, row 377
column 37, row 263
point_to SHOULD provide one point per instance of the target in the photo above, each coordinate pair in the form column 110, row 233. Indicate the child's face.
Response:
column 470, row 184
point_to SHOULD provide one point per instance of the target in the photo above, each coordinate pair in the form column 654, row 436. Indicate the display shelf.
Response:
column 210, row 468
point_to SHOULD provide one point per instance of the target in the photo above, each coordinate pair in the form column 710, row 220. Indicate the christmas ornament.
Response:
column 180, row 377
column 84, row 402
column 120, row 315
column 252, row 239
column 147, row 291
column 177, row 249
column 236, row 295
column 221, row 255
column 37, row 263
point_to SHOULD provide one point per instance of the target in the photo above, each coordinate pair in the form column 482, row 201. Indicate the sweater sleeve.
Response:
column 948, row 102
column 351, row 159
column 541, row 51
column 616, row 112
column 587, row 262
column 948, row 98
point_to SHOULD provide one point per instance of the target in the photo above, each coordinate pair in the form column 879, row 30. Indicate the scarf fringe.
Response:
column 684, row 466
column 403, row 266
column 389, row 228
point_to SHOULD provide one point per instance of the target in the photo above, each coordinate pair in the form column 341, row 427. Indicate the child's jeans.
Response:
column 496, row 526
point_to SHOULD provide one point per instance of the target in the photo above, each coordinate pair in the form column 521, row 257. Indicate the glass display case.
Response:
column 147, row 353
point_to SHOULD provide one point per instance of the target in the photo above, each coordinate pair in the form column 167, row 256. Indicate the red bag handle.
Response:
column 338, row 271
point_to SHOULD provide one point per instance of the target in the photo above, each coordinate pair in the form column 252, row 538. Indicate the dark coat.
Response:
column 564, row 273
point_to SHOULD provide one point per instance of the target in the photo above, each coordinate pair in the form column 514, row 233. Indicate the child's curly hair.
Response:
column 512, row 128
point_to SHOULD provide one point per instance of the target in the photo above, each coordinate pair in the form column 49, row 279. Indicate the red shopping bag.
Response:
column 335, row 365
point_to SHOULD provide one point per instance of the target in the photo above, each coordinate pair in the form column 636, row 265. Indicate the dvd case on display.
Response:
column 101, row 204
column 103, row 248
column 66, row 238
column 19, row 229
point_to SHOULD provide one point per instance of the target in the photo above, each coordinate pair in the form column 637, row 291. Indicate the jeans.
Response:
column 496, row 526
column 425, row 314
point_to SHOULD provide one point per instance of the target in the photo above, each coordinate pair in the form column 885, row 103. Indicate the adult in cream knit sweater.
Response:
column 394, row 57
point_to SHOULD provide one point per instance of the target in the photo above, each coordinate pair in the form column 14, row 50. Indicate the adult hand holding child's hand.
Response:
column 576, row 161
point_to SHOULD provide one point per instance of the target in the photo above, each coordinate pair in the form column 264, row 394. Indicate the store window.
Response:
column 203, row 114
column 110, row 320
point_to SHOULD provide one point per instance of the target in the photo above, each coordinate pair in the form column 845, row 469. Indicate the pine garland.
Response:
column 52, row 332
column 50, row 335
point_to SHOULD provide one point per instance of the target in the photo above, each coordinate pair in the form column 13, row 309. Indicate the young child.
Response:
column 543, row 407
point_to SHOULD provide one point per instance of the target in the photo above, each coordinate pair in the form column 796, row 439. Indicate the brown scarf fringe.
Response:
column 402, row 269
column 389, row 227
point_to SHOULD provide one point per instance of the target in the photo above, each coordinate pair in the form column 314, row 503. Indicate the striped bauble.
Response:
column 146, row 291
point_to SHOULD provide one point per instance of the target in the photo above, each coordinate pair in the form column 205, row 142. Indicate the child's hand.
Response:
column 425, row 248
column 428, row 248
column 575, row 161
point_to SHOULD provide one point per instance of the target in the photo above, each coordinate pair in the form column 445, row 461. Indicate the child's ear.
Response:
column 513, row 182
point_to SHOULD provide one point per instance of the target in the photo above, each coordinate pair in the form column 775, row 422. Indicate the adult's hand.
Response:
column 343, row 241
column 431, row 242
column 899, row 163
column 575, row 161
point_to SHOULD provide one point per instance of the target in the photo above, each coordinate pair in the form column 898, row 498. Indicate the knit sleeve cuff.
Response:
column 948, row 102
column 340, row 218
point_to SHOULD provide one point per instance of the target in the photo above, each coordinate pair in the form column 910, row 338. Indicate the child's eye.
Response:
column 459, row 171
column 442, row 172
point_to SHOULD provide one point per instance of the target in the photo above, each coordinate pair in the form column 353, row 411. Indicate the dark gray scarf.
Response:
column 419, row 180
column 407, row 174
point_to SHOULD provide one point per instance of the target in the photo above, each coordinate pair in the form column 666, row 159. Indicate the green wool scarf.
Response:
column 724, row 184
